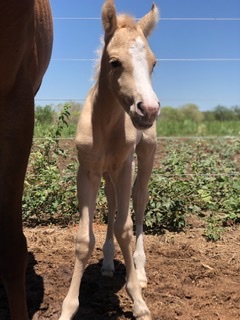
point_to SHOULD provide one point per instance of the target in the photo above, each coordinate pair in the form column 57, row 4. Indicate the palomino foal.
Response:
column 26, row 36
column 118, row 118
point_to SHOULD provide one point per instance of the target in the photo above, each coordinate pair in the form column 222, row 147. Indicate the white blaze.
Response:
column 141, row 72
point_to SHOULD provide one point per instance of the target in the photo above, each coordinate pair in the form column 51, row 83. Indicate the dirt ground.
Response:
column 189, row 278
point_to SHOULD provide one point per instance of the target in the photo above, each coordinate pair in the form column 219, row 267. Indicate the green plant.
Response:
column 195, row 177
column 47, row 120
column 213, row 229
column 50, row 193
column 166, row 207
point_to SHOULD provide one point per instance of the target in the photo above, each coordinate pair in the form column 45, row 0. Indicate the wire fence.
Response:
column 158, row 59
column 199, row 19
column 162, row 19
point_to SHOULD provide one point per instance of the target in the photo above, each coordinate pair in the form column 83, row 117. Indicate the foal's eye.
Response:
column 154, row 63
column 115, row 63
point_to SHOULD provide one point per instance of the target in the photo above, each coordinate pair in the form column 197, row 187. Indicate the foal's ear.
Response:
column 109, row 18
column 148, row 22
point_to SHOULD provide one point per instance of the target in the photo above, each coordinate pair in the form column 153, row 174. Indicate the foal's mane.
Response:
column 126, row 21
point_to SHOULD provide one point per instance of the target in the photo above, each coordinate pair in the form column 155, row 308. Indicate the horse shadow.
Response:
column 97, row 297
column 4, row 309
column 34, row 288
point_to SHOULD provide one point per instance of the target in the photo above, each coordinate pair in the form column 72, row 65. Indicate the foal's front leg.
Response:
column 88, row 184
column 123, row 229
column 145, row 154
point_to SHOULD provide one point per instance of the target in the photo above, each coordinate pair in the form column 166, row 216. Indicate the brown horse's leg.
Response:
column 16, row 129
column 145, row 154
column 13, row 274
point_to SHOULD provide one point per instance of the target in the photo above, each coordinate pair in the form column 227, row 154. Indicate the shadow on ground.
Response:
column 35, row 291
column 98, row 295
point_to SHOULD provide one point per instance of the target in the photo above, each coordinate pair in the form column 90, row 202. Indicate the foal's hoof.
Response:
column 107, row 273
column 143, row 284
column 145, row 317
column 107, row 269
column 141, row 311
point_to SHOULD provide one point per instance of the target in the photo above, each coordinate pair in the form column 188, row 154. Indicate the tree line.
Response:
column 47, row 114
column 185, row 120
column 192, row 112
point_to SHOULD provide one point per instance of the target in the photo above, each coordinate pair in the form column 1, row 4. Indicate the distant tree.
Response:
column 223, row 113
column 169, row 114
column 209, row 115
column 190, row 112
column 44, row 115
column 236, row 111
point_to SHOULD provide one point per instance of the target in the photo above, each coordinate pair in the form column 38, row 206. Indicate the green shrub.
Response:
column 49, row 193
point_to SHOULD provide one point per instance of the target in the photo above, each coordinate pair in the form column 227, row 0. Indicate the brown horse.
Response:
column 26, row 44
column 118, row 119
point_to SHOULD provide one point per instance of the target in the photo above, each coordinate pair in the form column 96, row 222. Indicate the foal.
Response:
column 118, row 119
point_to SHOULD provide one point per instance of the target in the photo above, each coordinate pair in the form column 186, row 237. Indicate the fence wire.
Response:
column 162, row 19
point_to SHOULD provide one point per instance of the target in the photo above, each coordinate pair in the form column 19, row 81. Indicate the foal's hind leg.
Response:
column 108, row 247
column 145, row 154
column 123, row 232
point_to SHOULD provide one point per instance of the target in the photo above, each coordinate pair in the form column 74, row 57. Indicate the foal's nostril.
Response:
column 140, row 108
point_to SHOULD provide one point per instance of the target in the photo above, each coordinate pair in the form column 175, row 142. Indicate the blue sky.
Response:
column 176, row 79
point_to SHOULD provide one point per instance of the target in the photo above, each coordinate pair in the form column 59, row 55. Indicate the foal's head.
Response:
column 129, row 62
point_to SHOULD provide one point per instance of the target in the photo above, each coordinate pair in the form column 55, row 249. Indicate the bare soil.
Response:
column 189, row 278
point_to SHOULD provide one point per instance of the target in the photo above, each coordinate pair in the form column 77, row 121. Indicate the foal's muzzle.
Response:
column 144, row 115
